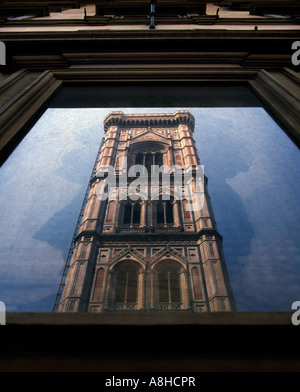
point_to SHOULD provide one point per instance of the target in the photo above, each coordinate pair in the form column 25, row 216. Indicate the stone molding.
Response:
column 26, row 93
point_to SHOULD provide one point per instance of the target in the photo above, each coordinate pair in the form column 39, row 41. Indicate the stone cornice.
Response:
column 182, row 237
column 58, row 50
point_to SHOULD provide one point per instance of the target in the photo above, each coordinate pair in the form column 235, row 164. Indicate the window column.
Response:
column 176, row 213
column 152, row 209
column 165, row 212
column 143, row 220
column 131, row 215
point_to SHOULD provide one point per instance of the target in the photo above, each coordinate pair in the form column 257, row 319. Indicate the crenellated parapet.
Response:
column 155, row 247
column 121, row 119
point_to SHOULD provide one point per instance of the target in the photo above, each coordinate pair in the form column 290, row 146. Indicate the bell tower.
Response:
column 143, row 248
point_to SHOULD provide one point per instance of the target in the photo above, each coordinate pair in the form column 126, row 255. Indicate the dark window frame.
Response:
column 23, row 110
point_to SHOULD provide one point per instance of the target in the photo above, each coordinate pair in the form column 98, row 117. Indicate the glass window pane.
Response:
column 251, row 166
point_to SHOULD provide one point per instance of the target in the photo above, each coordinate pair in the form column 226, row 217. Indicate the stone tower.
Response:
column 148, row 251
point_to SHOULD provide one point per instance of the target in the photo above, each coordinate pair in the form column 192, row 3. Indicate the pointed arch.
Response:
column 169, row 255
column 169, row 284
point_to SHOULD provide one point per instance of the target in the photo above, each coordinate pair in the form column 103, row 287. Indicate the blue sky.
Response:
column 253, row 180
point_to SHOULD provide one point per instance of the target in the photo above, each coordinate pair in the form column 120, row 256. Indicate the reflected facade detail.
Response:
column 147, row 254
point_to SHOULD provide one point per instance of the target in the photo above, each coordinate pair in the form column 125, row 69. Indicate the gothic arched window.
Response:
column 148, row 155
column 168, row 274
column 132, row 213
column 126, row 288
column 164, row 212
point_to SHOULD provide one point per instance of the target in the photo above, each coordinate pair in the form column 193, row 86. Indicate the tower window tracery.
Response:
column 148, row 160
column 132, row 213
column 164, row 212
column 126, row 282
column 168, row 273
